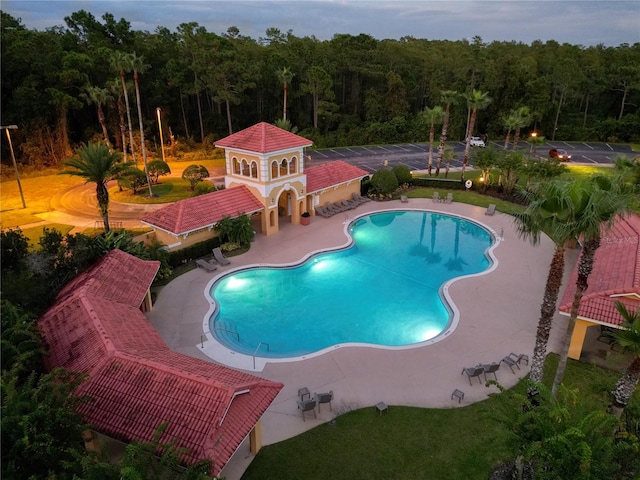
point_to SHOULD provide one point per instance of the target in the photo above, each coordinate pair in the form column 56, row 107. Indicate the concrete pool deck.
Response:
column 499, row 313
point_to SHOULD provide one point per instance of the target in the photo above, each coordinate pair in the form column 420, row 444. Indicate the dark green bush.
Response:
column 435, row 182
column 384, row 182
column 403, row 174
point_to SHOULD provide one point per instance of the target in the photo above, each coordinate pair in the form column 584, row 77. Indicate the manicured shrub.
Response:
column 384, row 182
column 403, row 174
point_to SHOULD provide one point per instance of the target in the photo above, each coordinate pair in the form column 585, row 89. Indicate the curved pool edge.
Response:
column 220, row 353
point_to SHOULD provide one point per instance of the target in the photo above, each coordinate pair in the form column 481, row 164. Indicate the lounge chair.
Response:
column 209, row 267
column 360, row 198
column 332, row 208
column 306, row 406
column 220, row 258
column 491, row 209
column 347, row 204
column 323, row 398
column 473, row 372
column 436, row 197
column 322, row 211
column 404, row 199
column 513, row 360
column 492, row 368
column 341, row 208
column 449, row 198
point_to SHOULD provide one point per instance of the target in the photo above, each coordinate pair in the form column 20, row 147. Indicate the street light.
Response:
column 532, row 140
column 160, row 128
column 13, row 159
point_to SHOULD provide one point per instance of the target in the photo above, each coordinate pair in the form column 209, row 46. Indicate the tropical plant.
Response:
column 194, row 174
column 510, row 122
column 122, row 62
column 549, row 207
column 434, row 116
column 96, row 163
column 138, row 66
column 486, row 159
column 238, row 230
column 448, row 97
column 99, row 97
column 628, row 338
column 285, row 76
column 629, row 169
column 21, row 345
column 476, row 100
column 285, row 125
column 158, row 168
column 599, row 202
column 509, row 164
column 522, row 117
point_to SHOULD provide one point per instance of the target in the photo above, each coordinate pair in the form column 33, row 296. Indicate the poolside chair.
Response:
column 331, row 208
column 306, row 406
column 492, row 368
column 404, row 199
column 322, row 211
column 357, row 198
column 513, row 360
column 449, row 198
column 520, row 358
column 209, row 267
column 436, row 197
column 473, row 372
column 323, row 398
column 491, row 209
column 347, row 204
column 340, row 207
column 220, row 258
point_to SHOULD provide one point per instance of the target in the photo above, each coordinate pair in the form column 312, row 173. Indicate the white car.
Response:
column 477, row 142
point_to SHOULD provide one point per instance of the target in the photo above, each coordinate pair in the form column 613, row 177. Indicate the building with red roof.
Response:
column 265, row 177
column 615, row 277
column 134, row 381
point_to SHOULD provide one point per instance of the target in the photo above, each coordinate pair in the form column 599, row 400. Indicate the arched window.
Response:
column 293, row 165
column 284, row 167
column 245, row 168
column 236, row 166
column 254, row 169
column 274, row 169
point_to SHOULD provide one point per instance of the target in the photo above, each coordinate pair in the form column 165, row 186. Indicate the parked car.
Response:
column 477, row 142
column 560, row 154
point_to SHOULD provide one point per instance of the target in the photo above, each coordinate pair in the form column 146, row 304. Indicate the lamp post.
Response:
column 532, row 140
column 160, row 128
column 13, row 159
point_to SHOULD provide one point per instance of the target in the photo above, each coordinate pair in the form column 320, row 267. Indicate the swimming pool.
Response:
column 386, row 289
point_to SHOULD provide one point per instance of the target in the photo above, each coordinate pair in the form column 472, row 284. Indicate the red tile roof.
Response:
column 263, row 138
column 135, row 381
column 616, row 272
column 330, row 174
column 194, row 213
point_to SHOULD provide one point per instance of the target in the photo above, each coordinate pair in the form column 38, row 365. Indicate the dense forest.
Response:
column 64, row 86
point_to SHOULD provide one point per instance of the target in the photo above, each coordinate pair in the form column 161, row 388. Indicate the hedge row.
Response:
column 197, row 250
column 450, row 183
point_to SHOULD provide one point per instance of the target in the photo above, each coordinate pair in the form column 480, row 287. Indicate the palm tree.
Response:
column 549, row 206
column 138, row 66
column 510, row 122
column 96, row 163
column 114, row 88
column 602, row 200
column 629, row 338
column 523, row 119
column 122, row 62
column 434, row 116
column 476, row 100
column 285, row 75
column 448, row 97
column 99, row 97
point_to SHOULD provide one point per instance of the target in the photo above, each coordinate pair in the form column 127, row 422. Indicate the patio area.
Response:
column 499, row 313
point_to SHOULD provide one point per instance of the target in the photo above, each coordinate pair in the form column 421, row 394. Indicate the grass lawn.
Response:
column 415, row 443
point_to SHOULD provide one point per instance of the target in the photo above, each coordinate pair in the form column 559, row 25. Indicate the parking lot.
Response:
column 414, row 155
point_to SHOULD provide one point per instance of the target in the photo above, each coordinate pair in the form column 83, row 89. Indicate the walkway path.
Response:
column 498, row 315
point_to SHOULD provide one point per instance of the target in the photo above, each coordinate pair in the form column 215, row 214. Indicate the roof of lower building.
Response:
column 191, row 214
column 330, row 174
column 135, row 382
column 263, row 138
column 615, row 275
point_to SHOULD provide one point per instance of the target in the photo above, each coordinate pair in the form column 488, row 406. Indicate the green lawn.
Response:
column 416, row 443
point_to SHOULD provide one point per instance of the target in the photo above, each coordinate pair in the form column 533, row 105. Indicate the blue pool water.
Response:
column 385, row 289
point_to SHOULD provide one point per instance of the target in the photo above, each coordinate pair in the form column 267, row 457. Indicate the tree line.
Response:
column 72, row 84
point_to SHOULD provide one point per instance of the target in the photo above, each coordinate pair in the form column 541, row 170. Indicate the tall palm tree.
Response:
column 523, row 118
column 138, row 66
column 510, row 123
column 285, row 75
column 476, row 100
column 122, row 62
column 114, row 88
column 96, row 163
column 99, row 97
column 549, row 207
column 602, row 200
column 433, row 116
column 629, row 338
column 448, row 97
